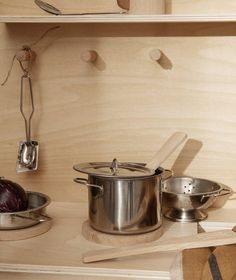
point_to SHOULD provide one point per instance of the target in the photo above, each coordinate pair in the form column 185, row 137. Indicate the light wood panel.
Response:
column 59, row 251
column 119, row 19
column 200, row 7
column 125, row 105
column 31, row 276
column 28, row 7
column 218, row 7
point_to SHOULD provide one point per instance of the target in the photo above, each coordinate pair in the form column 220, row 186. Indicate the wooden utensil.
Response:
column 166, row 150
column 207, row 239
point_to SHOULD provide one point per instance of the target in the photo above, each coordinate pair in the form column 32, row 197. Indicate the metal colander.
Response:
column 191, row 186
column 186, row 197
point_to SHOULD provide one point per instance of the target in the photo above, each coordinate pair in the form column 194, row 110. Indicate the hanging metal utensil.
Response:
column 27, row 159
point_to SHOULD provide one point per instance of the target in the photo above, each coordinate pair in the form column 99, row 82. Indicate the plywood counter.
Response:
column 57, row 254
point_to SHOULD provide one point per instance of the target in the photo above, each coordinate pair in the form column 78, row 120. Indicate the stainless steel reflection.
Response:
column 186, row 197
column 124, row 198
column 35, row 214
column 126, row 206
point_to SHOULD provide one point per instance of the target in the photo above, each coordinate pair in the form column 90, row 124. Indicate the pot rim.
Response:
column 92, row 168
column 158, row 172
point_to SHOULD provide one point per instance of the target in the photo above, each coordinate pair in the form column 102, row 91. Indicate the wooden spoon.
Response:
column 166, row 150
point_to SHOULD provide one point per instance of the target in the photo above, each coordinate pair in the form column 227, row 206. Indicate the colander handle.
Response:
column 226, row 192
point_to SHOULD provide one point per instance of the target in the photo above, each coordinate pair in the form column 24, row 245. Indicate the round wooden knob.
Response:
column 89, row 56
column 124, row 4
column 155, row 54
column 25, row 55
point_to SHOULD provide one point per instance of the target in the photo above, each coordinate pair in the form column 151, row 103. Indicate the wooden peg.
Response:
column 26, row 55
column 89, row 56
column 124, row 4
column 155, row 54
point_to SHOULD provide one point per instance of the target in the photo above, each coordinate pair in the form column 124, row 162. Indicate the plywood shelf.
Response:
column 60, row 249
column 118, row 19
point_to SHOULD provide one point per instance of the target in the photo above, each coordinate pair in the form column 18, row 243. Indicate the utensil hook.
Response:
column 26, row 76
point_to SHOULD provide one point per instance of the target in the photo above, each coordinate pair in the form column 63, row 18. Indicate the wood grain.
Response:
column 65, row 237
column 125, row 105
column 25, row 233
column 28, row 7
column 150, row 7
column 217, row 7
column 208, row 239
column 200, row 7
column 116, row 240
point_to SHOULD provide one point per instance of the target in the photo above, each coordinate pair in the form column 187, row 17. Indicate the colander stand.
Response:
column 185, row 216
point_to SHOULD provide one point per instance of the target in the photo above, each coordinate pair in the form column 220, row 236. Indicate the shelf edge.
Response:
column 118, row 19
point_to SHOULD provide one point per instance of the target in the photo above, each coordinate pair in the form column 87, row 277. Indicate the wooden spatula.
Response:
column 171, row 144
column 207, row 239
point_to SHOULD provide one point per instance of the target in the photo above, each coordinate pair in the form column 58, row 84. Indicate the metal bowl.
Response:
column 35, row 214
column 186, row 197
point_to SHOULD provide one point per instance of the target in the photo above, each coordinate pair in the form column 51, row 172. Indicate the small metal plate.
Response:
column 20, row 167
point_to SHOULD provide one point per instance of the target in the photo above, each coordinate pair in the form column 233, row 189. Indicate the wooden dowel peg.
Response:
column 155, row 54
column 25, row 54
column 160, row 57
column 124, row 4
column 89, row 56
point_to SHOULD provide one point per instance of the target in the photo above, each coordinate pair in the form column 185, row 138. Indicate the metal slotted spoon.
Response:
column 27, row 159
column 55, row 11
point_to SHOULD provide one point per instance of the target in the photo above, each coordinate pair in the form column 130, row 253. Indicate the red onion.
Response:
column 13, row 197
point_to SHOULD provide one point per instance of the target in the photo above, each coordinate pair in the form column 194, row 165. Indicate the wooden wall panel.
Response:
column 200, row 7
column 125, row 105
column 28, row 7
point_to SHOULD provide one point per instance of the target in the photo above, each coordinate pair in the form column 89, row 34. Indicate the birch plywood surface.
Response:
column 200, row 7
column 28, row 7
column 59, row 251
column 125, row 105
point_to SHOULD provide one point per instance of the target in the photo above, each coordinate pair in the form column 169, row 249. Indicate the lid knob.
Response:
column 114, row 167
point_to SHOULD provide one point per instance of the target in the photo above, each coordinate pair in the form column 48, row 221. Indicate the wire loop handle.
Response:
column 27, row 121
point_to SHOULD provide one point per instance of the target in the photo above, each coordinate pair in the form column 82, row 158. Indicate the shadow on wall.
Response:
column 186, row 156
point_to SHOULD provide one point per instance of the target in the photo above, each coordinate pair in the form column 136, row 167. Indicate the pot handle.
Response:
column 40, row 218
column 84, row 181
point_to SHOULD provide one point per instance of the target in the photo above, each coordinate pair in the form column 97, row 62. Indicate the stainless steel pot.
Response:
column 123, row 199
column 35, row 214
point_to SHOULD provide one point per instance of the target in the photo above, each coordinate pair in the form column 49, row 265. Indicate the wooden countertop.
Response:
column 59, row 251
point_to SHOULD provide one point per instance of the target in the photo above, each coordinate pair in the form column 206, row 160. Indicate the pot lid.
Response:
column 114, row 169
